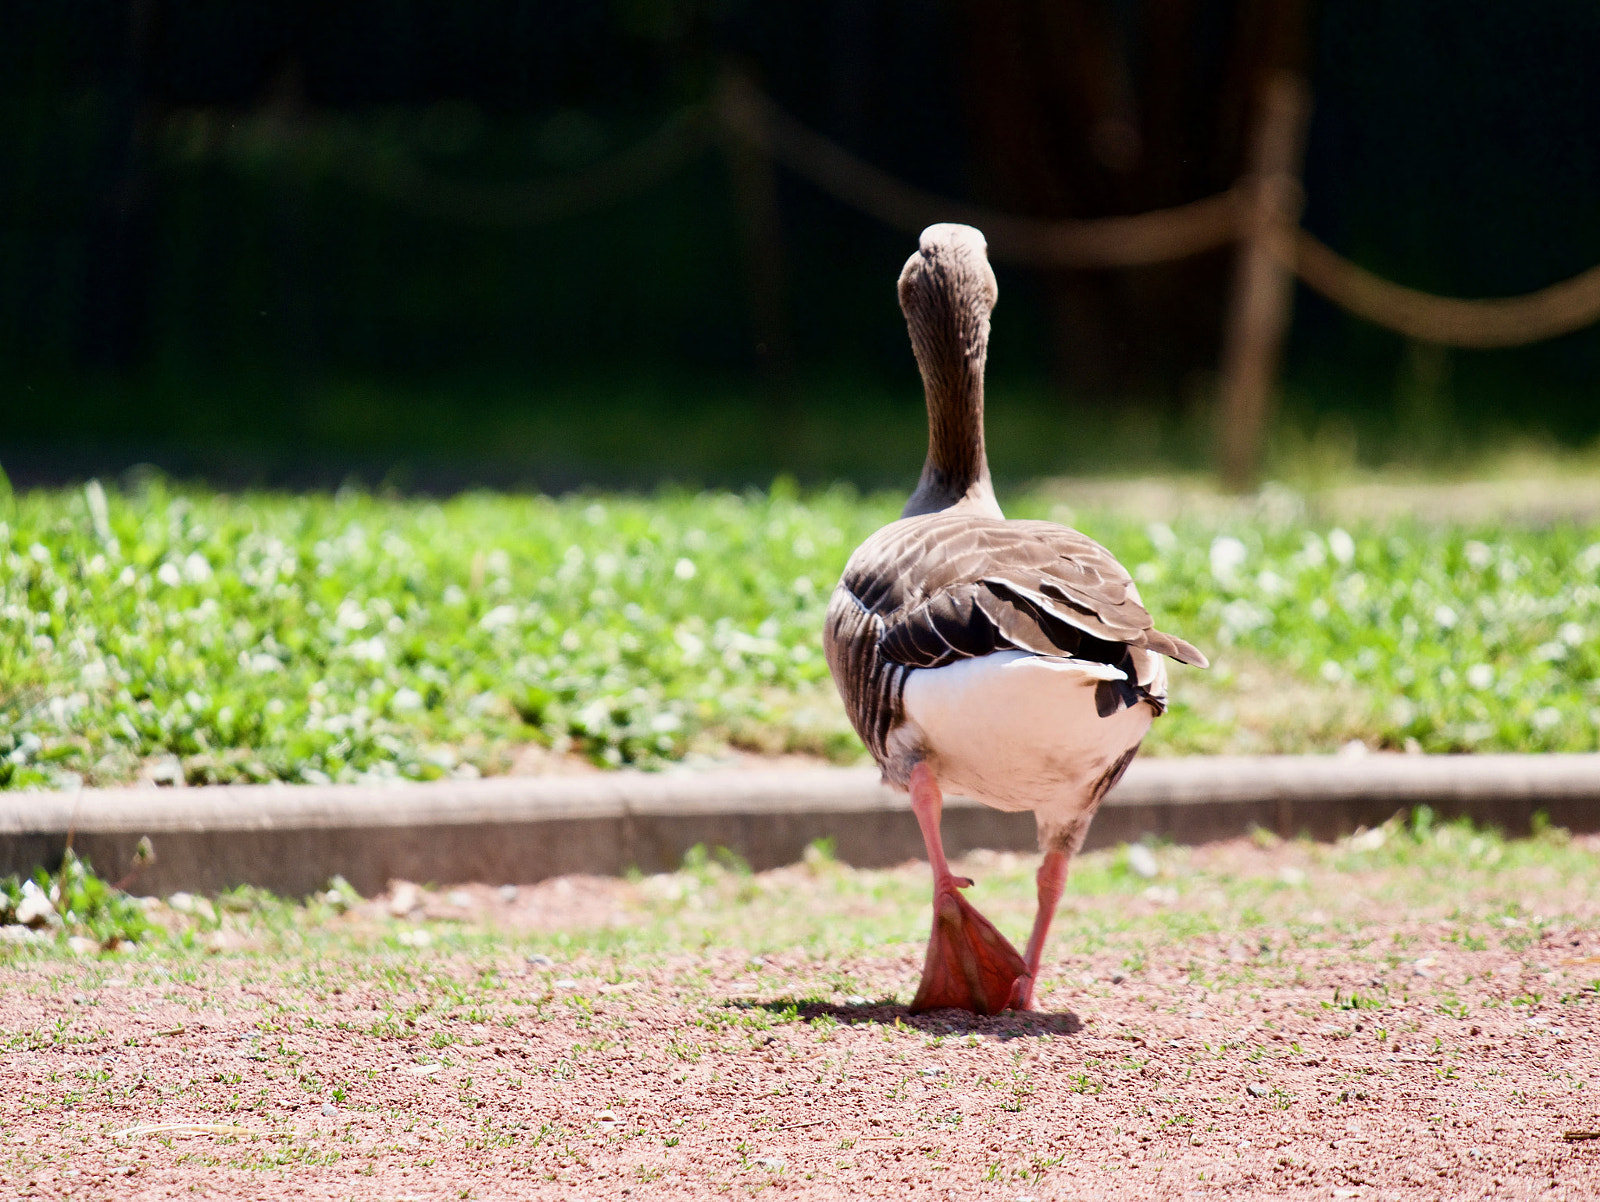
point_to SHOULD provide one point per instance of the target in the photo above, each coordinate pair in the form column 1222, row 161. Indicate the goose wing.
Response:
column 927, row 591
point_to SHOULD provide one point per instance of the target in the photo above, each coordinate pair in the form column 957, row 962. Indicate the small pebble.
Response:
column 406, row 898
column 566, row 983
column 539, row 960
column 508, row 893
column 1257, row 1091
column 330, row 1110
column 855, row 999
column 770, row 1162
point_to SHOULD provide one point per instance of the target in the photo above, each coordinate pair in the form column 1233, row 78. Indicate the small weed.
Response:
column 1354, row 1000
column 76, row 902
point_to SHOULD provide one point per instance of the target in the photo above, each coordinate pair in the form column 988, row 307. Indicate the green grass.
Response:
column 312, row 638
column 1487, row 889
column 81, row 905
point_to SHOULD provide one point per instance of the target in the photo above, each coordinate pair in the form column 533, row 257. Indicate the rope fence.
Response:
column 1134, row 241
column 740, row 110
column 1260, row 214
column 1160, row 236
column 399, row 180
column 1498, row 322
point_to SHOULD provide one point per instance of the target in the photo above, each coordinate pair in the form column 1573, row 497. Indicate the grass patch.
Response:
column 1488, row 891
column 73, row 905
column 227, row 637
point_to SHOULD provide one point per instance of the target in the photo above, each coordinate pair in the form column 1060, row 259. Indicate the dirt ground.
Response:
column 1262, row 1021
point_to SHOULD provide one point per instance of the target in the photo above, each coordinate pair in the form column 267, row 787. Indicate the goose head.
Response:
column 947, row 291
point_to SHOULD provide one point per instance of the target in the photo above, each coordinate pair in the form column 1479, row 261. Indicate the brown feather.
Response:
column 927, row 591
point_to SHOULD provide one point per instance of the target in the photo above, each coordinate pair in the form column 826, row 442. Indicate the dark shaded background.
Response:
column 189, row 276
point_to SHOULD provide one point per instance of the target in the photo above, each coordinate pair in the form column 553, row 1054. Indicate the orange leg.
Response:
column 1052, row 880
column 970, row 965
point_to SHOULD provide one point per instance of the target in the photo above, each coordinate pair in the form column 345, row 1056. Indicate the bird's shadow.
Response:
column 1008, row 1024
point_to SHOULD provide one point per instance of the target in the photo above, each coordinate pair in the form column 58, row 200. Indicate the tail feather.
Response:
column 1173, row 647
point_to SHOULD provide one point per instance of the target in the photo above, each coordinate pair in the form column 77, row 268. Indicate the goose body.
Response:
column 1014, row 658
column 1008, row 661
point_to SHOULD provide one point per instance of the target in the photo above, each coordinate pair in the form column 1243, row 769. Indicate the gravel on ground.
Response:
column 1249, row 1019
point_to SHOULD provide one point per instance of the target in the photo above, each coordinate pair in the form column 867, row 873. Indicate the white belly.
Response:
column 1018, row 731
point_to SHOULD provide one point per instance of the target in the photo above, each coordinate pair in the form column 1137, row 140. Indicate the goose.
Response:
column 1008, row 661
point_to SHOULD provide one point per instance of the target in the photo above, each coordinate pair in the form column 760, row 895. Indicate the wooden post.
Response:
column 1263, row 286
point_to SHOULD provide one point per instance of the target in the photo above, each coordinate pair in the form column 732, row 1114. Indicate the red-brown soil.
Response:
column 1378, row 1055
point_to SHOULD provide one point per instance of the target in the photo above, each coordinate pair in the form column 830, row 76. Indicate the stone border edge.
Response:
column 518, row 830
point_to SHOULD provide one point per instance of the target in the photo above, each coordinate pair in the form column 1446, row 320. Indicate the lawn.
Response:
column 223, row 637
column 1413, row 1011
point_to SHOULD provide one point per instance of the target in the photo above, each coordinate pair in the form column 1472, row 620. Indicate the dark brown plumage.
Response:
column 927, row 591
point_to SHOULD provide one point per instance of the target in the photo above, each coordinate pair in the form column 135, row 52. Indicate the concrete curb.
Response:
column 524, row 829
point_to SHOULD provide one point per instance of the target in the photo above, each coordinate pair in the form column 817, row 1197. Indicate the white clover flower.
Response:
column 350, row 615
column 373, row 650
column 499, row 617
column 1341, row 545
column 1227, row 555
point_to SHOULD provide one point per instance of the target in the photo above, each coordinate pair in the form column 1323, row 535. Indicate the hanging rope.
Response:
column 1100, row 242
column 1497, row 322
column 428, row 194
column 740, row 110
column 1160, row 236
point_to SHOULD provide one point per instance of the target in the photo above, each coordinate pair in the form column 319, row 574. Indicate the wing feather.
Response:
column 930, row 590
